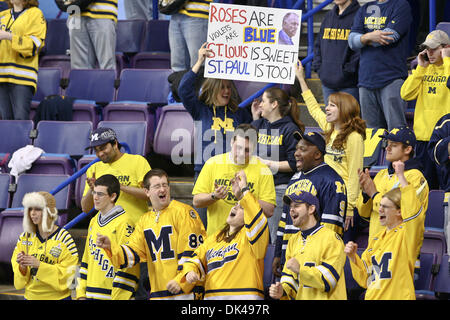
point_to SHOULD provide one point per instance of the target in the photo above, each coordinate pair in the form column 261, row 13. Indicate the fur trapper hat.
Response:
column 47, row 203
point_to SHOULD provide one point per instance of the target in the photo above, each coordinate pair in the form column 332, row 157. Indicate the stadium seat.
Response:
column 63, row 137
column 49, row 80
column 424, row 285
column 56, row 61
column 40, row 182
column 15, row 134
column 134, row 133
column 140, row 92
column 434, row 242
column 156, row 38
column 90, row 87
column 434, row 219
column 52, row 164
column 442, row 280
column 57, row 40
column 175, row 123
column 247, row 88
column 268, row 259
column 130, row 34
column 151, row 60
column 11, row 228
column 5, row 180
column 444, row 26
column 79, row 184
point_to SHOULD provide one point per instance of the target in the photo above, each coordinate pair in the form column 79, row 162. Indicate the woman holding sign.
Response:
column 215, row 111
column 345, row 133
column 278, row 117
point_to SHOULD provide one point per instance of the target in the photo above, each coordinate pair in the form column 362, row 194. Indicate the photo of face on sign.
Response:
column 289, row 26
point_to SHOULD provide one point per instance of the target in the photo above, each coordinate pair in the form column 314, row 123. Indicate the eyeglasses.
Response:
column 387, row 207
column 158, row 186
column 99, row 194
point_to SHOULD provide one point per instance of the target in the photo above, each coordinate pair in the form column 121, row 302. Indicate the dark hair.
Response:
column 154, row 173
column 286, row 105
column 26, row 3
column 111, row 183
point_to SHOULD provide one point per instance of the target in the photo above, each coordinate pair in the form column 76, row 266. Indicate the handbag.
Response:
column 63, row 5
column 170, row 6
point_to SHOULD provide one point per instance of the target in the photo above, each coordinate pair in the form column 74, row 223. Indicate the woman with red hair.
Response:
column 344, row 132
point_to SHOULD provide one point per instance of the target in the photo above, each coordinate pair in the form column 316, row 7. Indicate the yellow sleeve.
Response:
column 89, row 174
column 204, row 180
column 266, row 188
column 142, row 168
column 315, row 111
column 289, row 279
column 191, row 234
column 413, row 84
column 359, row 271
column 256, row 225
column 125, row 280
column 355, row 155
column 365, row 209
column 196, row 263
column 60, row 275
column 20, row 280
column 326, row 275
column 29, row 42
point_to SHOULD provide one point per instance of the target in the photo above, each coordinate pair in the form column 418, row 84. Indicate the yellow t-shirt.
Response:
column 220, row 169
column 130, row 170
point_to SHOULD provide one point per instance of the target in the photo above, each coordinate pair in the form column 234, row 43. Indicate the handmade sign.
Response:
column 252, row 43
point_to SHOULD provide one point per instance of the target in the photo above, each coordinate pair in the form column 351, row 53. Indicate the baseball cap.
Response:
column 302, row 197
column 402, row 134
column 312, row 137
column 101, row 136
column 435, row 38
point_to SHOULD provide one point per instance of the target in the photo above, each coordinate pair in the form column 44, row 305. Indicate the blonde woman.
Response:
column 45, row 257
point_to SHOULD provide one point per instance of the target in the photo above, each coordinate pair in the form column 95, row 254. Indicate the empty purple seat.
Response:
column 49, row 80
column 5, row 180
column 174, row 136
column 444, row 26
column 156, row 38
column 424, row 285
column 91, row 84
column 434, row 242
column 442, row 281
column 130, row 35
column 52, row 164
column 40, row 182
column 61, row 61
column 144, row 85
column 66, row 137
column 15, row 134
column 57, row 40
column 134, row 133
column 434, row 219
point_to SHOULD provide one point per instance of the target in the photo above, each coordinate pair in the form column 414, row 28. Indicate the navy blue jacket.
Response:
column 334, row 61
column 276, row 142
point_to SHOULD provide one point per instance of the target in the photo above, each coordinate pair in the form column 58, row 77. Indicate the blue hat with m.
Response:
column 401, row 134
column 302, row 197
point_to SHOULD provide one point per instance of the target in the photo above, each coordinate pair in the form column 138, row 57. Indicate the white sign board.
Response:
column 252, row 43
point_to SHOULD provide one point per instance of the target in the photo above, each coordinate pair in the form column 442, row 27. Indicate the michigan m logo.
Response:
column 432, row 90
column 380, row 269
column 218, row 124
column 161, row 244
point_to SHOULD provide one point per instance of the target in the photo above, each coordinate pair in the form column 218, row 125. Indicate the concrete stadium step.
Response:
column 8, row 292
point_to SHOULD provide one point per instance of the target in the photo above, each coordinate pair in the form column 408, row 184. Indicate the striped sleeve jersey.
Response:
column 98, row 278
column 102, row 9
column 234, row 269
column 58, row 258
